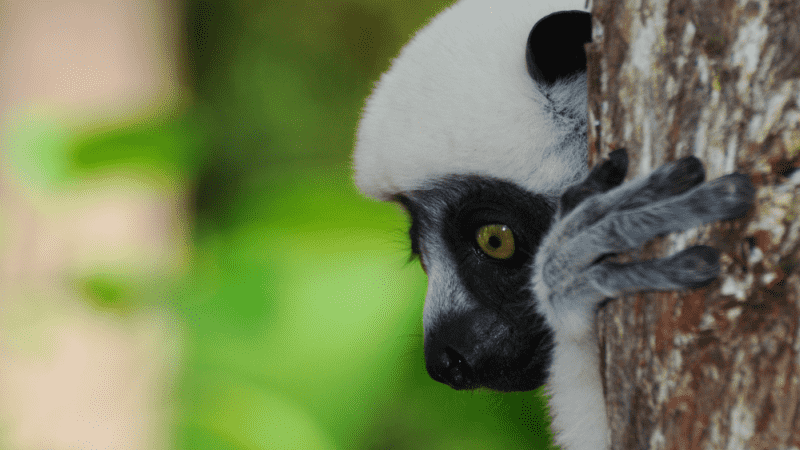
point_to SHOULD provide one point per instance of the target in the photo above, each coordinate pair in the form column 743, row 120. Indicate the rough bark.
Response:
column 716, row 367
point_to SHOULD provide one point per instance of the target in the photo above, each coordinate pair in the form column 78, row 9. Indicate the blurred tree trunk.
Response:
column 77, row 371
column 715, row 367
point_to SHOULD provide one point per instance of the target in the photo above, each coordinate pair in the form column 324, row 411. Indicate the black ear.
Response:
column 555, row 46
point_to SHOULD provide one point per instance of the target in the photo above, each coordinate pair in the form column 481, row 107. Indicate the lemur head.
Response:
column 477, row 128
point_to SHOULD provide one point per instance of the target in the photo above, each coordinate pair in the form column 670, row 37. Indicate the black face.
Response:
column 485, row 231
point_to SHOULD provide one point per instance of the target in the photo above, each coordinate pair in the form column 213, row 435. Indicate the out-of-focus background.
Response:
column 184, row 261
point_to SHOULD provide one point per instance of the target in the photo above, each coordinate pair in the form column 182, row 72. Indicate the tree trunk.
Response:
column 716, row 367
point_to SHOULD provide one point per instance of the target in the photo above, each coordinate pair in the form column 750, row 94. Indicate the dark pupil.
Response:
column 494, row 241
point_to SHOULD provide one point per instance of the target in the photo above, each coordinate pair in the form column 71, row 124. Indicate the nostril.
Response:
column 455, row 349
column 455, row 370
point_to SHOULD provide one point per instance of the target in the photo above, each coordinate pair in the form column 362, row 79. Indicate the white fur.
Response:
column 458, row 99
column 576, row 402
column 445, row 293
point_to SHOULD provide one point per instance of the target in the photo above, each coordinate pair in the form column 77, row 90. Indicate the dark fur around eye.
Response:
column 454, row 208
column 413, row 230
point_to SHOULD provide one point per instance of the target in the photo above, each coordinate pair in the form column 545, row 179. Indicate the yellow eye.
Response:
column 496, row 240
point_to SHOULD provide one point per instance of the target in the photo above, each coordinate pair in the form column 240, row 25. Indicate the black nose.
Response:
column 477, row 348
column 446, row 365
column 456, row 346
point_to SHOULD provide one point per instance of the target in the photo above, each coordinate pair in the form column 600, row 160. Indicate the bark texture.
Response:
column 717, row 367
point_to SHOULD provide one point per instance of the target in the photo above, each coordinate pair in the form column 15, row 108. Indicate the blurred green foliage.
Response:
column 303, row 317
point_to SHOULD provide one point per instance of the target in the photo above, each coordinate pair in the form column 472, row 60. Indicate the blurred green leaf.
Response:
column 173, row 145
